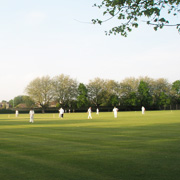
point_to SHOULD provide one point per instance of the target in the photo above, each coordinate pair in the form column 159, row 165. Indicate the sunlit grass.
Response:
column 131, row 147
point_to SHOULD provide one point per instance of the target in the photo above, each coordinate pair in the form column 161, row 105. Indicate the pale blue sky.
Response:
column 42, row 37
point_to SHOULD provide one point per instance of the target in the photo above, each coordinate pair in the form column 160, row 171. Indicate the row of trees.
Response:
column 129, row 94
column 22, row 101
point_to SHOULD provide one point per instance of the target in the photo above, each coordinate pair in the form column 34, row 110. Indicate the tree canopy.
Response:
column 158, row 13
column 40, row 90
column 96, row 91
column 21, row 100
column 129, row 94
column 82, row 98
column 176, row 91
column 64, row 89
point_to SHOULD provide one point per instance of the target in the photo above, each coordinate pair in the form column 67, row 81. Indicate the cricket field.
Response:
column 130, row 147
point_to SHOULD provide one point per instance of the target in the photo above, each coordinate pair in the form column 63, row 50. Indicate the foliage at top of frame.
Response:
column 129, row 12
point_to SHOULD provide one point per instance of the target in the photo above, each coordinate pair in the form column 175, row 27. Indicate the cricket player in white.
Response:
column 89, row 113
column 143, row 109
column 61, row 112
column 17, row 113
column 31, row 112
column 97, row 111
column 115, row 110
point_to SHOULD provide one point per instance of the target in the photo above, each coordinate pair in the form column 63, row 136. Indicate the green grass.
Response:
column 131, row 147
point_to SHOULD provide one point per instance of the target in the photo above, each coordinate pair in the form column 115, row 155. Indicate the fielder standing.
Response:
column 89, row 113
column 61, row 112
column 31, row 113
column 17, row 113
column 143, row 109
column 115, row 110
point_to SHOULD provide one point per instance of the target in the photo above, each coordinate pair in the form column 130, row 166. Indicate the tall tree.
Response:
column 96, row 91
column 28, row 101
column 157, row 13
column 18, row 100
column 40, row 90
column 64, row 89
column 176, row 92
column 127, row 86
column 128, row 92
column 82, row 98
column 161, row 93
column 130, row 101
column 111, row 93
column 144, row 95
column 21, row 99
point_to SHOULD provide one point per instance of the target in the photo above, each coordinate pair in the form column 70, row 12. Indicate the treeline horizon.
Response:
column 130, row 93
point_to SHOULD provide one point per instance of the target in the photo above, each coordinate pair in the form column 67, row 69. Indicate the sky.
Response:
column 39, row 38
